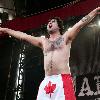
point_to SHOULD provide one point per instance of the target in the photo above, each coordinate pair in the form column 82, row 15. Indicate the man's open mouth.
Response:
column 50, row 25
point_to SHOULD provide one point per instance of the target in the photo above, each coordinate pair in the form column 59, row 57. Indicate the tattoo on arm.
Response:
column 86, row 19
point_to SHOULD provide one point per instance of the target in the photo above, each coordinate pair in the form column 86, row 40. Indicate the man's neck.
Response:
column 55, row 35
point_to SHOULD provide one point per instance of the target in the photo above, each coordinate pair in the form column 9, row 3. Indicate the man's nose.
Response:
column 50, row 23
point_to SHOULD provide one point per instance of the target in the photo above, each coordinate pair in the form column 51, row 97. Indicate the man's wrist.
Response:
column 86, row 19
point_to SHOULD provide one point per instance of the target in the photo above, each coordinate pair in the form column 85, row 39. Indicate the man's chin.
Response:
column 51, row 32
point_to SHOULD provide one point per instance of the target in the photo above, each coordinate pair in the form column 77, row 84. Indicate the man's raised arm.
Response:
column 71, row 34
column 37, row 41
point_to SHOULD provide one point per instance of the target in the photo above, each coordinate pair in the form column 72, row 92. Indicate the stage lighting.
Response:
column 43, row 36
column 99, row 22
column 69, row 28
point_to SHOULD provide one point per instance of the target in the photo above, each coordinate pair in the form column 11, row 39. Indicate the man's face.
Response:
column 52, row 25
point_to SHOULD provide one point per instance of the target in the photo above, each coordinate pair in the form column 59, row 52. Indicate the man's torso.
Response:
column 56, row 56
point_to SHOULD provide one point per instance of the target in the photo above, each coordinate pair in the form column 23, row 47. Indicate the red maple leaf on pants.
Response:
column 49, row 88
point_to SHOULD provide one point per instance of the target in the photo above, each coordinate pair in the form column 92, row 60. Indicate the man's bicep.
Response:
column 72, row 32
column 67, row 37
column 36, row 41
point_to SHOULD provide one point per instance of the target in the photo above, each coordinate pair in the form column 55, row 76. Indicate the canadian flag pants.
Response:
column 56, row 87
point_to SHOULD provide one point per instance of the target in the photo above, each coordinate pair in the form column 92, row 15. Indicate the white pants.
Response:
column 56, row 87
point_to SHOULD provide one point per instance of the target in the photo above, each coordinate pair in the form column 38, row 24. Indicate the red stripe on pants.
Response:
column 68, row 87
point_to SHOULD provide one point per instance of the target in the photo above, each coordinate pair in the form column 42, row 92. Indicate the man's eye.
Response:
column 53, row 21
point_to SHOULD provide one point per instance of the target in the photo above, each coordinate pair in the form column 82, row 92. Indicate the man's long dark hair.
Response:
column 60, row 24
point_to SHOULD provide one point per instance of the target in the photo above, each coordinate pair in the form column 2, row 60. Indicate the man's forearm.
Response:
column 85, row 20
column 16, row 34
column 88, row 18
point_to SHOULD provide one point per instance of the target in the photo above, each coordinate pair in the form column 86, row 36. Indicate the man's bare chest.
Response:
column 54, row 45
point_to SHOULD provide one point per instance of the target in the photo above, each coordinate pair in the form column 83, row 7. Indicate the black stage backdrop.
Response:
column 33, row 7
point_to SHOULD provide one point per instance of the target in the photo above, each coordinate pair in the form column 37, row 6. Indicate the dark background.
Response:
column 32, row 7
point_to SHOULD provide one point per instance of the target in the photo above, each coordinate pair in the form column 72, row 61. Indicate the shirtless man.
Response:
column 57, row 84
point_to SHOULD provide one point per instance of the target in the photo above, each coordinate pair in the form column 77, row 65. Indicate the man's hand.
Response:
column 95, row 12
column 2, row 30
